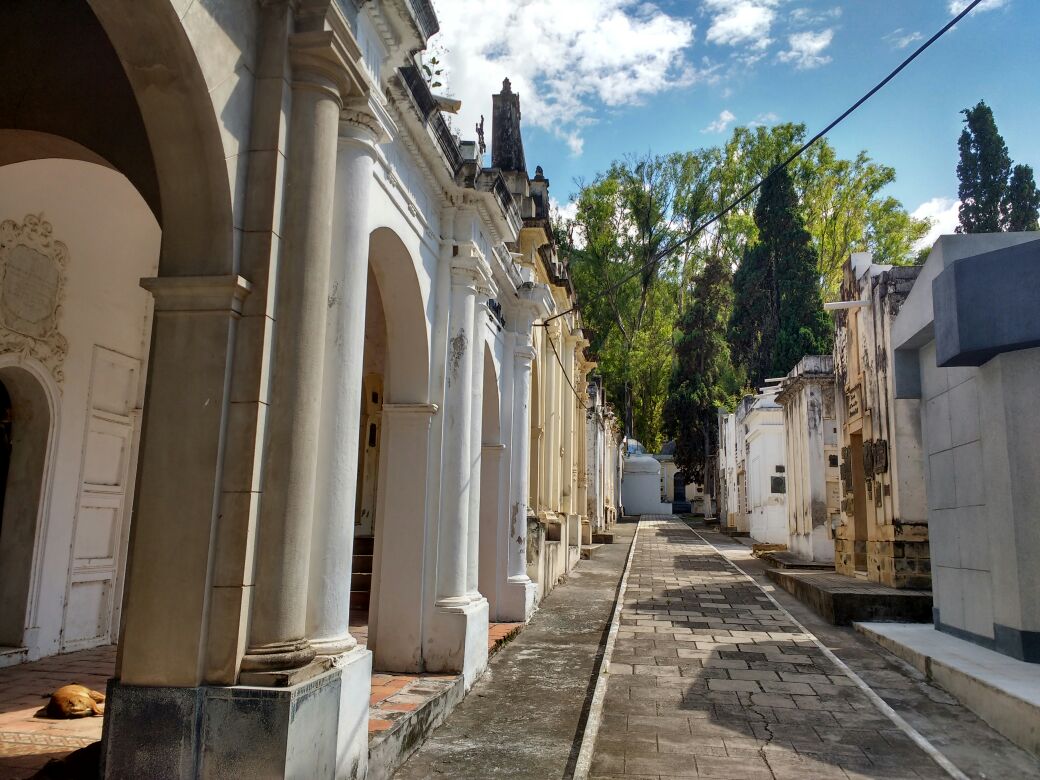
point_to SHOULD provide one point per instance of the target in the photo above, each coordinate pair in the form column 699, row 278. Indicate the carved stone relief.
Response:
column 32, row 289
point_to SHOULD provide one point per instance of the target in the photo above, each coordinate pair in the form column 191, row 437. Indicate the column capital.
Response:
column 322, row 59
column 365, row 121
column 468, row 266
column 525, row 352
column 198, row 293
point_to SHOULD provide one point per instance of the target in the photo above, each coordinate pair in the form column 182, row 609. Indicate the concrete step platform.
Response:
column 405, row 709
column 733, row 532
column 604, row 537
column 1003, row 691
column 788, row 560
column 842, row 600
column 587, row 550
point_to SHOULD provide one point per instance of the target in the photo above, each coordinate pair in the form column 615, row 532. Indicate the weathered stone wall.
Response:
column 883, row 530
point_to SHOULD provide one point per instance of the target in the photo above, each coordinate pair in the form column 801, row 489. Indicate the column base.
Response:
column 517, row 600
column 457, row 639
column 317, row 729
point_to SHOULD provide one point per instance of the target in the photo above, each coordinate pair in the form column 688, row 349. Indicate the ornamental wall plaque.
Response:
column 32, row 290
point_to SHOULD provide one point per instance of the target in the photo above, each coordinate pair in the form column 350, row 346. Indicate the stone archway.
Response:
column 32, row 426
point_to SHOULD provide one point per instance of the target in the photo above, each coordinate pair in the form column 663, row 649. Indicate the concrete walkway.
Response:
column 974, row 747
column 524, row 717
column 710, row 678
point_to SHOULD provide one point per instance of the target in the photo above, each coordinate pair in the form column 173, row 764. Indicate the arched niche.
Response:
column 122, row 81
column 408, row 339
column 33, row 409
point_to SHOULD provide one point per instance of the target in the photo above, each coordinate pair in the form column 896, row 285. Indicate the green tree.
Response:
column 1022, row 206
column 624, row 249
column 983, row 171
column 778, row 314
column 703, row 379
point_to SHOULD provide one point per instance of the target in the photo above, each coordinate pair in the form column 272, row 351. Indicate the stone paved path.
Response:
column 710, row 679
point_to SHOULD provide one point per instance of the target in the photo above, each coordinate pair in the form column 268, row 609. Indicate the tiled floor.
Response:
column 710, row 678
column 28, row 742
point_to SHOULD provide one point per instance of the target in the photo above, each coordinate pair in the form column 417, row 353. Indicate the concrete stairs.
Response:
column 361, row 573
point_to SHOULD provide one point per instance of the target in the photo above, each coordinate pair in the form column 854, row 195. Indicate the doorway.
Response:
column 859, row 503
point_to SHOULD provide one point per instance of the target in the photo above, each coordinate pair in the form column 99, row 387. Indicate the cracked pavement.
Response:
column 709, row 678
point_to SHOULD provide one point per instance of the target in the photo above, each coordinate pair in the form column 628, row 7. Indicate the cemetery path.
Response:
column 711, row 678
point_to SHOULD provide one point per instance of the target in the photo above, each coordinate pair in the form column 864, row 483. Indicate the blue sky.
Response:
column 600, row 79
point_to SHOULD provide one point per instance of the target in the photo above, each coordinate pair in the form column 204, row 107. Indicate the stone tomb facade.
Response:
column 256, row 302
column 811, row 442
column 765, row 474
column 883, row 534
column 966, row 348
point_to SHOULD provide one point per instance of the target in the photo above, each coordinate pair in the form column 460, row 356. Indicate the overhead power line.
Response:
column 776, row 169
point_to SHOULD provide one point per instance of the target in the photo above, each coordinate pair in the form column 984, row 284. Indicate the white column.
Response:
column 518, row 596
column 279, row 614
column 480, row 315
column 456, row 476
column 332, row 540
column 457, row 637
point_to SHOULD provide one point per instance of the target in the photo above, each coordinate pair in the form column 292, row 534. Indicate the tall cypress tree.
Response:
column 702, row 377
column 983, row 170
column 778, row 314
column 1022, row 204
column 753, row 324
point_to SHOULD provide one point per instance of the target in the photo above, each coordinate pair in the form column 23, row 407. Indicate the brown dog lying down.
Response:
column 74, row 701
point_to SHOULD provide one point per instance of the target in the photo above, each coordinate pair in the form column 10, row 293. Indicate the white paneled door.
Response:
column 103, row 508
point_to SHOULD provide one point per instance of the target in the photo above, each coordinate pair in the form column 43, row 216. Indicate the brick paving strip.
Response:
column 711, row 678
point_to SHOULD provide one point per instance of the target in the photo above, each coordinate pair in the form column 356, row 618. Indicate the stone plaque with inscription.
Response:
column 32, row 279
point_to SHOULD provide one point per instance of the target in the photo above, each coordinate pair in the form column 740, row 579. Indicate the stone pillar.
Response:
column 458, row 627
column 480, row 315
column 552, row 397
column 395, row 628
column 279, row 618
column 332, row 540
column 518, row 597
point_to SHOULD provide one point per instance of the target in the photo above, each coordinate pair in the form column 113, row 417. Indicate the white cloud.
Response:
column 806, row 49
column 719, row 125
column 900, row 38
column 942, row 213
column 806, row 17
column 741, row 22
column 956, row 6
column 566, row 211
column 768, row 118
column 565, row 60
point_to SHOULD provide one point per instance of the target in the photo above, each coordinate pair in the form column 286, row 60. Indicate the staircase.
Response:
column 361, row 573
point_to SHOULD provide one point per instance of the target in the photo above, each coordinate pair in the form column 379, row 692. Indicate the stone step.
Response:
column 603, row 537
column 788, row 560
column 360, row 581
column 362, row 564
column 359, row 599
column 733, row 532
column 364, row 545
column 842, row 600
column 390, row 747
column 587, row 550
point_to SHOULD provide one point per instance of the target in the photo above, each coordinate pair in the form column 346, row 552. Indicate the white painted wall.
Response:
column 765, row 452
column 113, row 241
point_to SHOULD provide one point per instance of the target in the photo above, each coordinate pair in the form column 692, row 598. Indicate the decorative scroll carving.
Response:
column 32, row 290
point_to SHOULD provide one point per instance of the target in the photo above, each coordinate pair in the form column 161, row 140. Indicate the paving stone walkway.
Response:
column 709, row 678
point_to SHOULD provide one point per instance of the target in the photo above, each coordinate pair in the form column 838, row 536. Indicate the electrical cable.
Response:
column 776, row 169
